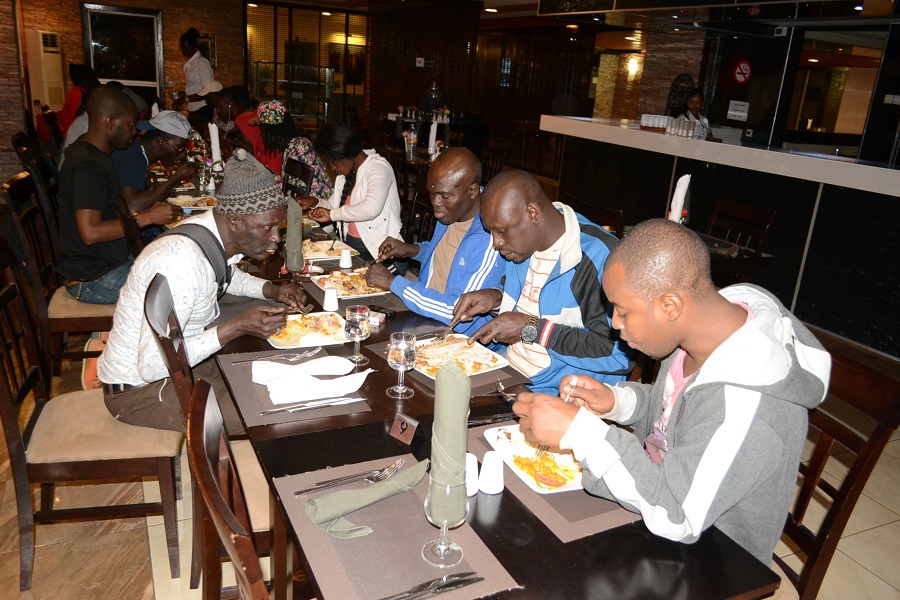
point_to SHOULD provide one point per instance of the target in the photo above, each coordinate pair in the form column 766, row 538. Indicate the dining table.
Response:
column 528, row 542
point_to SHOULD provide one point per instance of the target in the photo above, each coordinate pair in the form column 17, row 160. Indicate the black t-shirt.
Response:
column 131, row 166
column 88, row 181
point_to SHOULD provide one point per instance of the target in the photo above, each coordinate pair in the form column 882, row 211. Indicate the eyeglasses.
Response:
column 177, row 149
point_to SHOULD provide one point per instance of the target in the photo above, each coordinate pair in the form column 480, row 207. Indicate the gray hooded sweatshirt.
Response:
column 734, row 436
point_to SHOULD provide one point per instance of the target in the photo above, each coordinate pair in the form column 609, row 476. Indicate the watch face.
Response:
column 529, row 333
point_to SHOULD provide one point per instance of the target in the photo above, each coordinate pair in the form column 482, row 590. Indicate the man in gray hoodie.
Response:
column 717, row 438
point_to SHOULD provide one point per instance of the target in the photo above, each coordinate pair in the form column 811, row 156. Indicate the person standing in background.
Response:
column 197, row 72
column 702, row 130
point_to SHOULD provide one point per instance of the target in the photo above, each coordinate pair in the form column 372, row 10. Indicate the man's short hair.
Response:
column 527, row 188
column 659, row 256
column 106, row 101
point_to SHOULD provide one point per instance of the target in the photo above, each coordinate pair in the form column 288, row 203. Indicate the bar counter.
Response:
column 835, row 235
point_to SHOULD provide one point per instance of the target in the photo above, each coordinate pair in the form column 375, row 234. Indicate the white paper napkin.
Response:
column 681, row 189
column 296, row 383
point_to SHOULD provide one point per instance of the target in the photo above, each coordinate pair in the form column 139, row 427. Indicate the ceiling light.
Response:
column 630, row 38
column 813, row 60
column 858, row 6
column 571, row 26
column 677, row 29
column 251, row 6
column 632, row 66
column 326, row 14
column 674, row 16
column 492, row 10
column 596, row 18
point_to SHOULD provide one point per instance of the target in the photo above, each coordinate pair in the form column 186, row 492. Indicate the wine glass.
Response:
column 357, row 329
column 401, row 356
column 445, row 506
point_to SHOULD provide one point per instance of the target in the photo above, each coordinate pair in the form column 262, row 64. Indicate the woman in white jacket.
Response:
column 364, row 206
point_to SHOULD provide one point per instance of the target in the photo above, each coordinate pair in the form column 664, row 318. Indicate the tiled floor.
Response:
column 127, row 559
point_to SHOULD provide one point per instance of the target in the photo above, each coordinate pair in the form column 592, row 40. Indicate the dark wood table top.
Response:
column 625, row 562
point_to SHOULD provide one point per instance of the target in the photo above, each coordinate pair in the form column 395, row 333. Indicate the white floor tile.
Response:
column 847, row 579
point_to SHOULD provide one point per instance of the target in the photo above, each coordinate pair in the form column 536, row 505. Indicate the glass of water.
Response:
column 402, row 357
column 357, row 328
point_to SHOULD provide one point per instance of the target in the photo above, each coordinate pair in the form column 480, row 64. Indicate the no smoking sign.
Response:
column 742, row 72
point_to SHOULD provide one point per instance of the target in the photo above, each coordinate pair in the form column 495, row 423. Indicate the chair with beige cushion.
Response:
column 71, row 438
column 870, row 400
column 58, row 312
column 159, row 309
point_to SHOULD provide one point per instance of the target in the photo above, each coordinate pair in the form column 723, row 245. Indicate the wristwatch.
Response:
column 529, row 333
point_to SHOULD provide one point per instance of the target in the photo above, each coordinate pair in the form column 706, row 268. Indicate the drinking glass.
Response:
column 445, row 506
column 357, row 329
column 402, row 357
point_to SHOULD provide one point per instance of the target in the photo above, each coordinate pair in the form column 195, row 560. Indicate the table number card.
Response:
column 404, row 428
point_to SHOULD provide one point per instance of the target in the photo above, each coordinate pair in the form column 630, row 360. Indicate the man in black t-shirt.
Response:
column 93, row 251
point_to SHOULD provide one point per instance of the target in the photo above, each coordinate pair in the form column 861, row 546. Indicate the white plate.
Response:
column 475, row 350
column 323, row 251
column 321, row 278
column 186, row 187
column 509, row 442
column 313, row 339
column 185, row 202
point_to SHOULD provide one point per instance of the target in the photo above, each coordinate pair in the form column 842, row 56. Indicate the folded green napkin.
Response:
column 327, row 512
column 452, row 391
column 293, row 238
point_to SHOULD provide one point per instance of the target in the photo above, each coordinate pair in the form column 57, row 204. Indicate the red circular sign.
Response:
column 742, row 72
column 754, row 10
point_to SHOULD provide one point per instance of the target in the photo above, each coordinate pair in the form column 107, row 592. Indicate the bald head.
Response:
column 661, row 256
column 514, row 189
column 107, row 101
column 454, row 186
column 458, row 162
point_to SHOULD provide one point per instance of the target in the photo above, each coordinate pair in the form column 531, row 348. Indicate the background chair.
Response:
column 745, row 225
column 69, row 438
column 27, row 147
column 295, row 173
column 46, row 181
column 493, row 160
column 159, row 310
column 397, row 157
column 605, row 217
column 58, row 313
column 56, row 137
column 212, row 466
column 420, row 221
column 854, row 388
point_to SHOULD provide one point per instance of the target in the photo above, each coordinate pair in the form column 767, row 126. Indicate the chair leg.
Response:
column 47, row 496
column 212, row 561
column 197, row 538
column 26, row 536
column 177, row 478
column 166, row 473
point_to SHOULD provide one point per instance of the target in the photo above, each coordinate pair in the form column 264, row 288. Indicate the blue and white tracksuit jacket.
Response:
column 476, row 266
column 575, row 314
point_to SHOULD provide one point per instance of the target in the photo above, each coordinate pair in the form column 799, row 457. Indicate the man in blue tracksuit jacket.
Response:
column 459, row 258
column 552, row 311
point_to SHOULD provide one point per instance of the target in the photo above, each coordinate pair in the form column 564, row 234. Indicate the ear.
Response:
column 672, row 305
column 473, row 189
column 534, row 212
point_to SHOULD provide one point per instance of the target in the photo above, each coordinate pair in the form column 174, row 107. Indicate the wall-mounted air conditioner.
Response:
column 45, row 71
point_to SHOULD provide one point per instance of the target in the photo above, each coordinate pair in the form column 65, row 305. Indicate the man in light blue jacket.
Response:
column 459, row 258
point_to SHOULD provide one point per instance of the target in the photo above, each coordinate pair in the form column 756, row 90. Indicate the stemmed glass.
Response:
column 402, row 357
column 446, row 506
column 357, row 328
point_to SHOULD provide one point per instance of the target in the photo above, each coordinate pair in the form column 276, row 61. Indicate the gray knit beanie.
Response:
column 248, row 187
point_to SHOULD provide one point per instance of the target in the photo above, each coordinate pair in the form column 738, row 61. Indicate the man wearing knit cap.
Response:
column 246, row 223
column 165, row 139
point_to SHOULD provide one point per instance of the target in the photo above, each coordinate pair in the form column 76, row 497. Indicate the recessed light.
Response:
column 251, row 6
column 326, row 14
column 630, row 38
column 491, row 10
column 813, row 60
column 571, row 26
column 674, row 16
column 596, row 18
column 677, row 29
column 858, row 6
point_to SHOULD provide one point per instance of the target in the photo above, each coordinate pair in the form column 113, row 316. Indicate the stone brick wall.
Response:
column 668, row 55
column 12, row 102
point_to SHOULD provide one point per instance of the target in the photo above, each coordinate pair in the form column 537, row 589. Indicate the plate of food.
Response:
column 322, row 250
column 472, row 358
column 315, row 329
column 193, row 202
column 348, row 285
column 551, row 473
column 185, row 186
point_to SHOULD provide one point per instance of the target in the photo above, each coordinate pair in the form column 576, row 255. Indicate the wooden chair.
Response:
column 27, row 147
column 46, row 181
column 71, row 438
column 159, row 310
column 605, row 217
column 744, row 225
column 56, row 137
column 860, row 389
column 397, row 157
column 129, row 224
column 58, row 313
column 420, row 221
column 296, row 173
column 493, row 161
column 213, row 468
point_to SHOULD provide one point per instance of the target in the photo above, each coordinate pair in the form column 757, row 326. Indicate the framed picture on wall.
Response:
column 124, row 44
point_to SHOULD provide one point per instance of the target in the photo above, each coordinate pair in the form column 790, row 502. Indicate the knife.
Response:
column 429, row 585
column 302, row 405
column 446, row 587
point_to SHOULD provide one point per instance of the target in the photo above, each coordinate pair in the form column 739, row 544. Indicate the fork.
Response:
column 446, row 333
column 508, row 396
column 303, row 310
column 367, row 476
column 286, row 356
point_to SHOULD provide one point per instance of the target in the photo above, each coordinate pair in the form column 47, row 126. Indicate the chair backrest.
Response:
column 742, row 224
column 876, row 398
column 131, row 226
column 295, row 174
column 27, row 147
column 21, row 375
column 601, row 215
column 46, row 181
column 212, row 466
column 420, row 221
column 56, row 136
column 493, row 160
column 159, row 310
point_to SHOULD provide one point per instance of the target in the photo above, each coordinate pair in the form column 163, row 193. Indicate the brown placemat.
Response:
column 569, row 515
column 483, row 384
column 251, row 398
column 389, row 560
column 389, row 300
